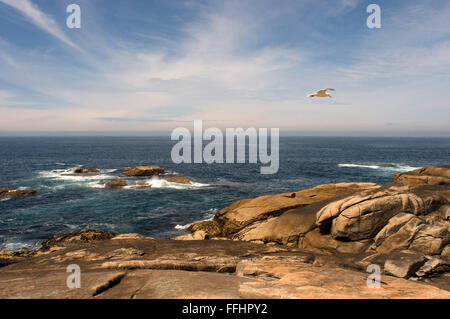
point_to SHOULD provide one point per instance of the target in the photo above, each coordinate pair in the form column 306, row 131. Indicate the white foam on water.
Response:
column 388, row 167
column 156, row 182
column 211, row 213
column 4, row 199
column 65, row 175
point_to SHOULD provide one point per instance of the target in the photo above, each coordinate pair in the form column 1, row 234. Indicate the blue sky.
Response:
column 155, row 65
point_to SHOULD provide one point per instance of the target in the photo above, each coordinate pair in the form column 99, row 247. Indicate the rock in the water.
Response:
column 141, row 185
column 86, row 171
column 362, row 216
column 433, row 175
column 6, row 192
column 116, row 183
column 85, row 235
column 179, row 180
column 144, row 171
column 404, row 264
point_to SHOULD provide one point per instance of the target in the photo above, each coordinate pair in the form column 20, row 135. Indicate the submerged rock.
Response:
column 6, row 192
column 116, row 183
column 144, row 171
column 179, row 180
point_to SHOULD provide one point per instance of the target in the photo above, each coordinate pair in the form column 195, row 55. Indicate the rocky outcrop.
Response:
column 179, row 180
column 85, row 235
column 144, row 171
column 252, row 214
column 116, row 183
column 344, row 218
column 7, row 192
column 433, row 175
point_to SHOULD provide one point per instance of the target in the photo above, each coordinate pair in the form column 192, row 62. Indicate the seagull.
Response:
column 321, row 93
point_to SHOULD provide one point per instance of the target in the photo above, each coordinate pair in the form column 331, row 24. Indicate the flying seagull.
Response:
column 321, row 93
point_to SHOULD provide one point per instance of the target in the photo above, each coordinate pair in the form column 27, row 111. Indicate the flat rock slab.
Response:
column 148, row 268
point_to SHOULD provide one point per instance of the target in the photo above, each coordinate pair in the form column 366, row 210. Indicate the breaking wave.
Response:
column 385, row 167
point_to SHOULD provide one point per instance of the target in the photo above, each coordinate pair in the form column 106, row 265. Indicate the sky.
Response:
column 152, row 66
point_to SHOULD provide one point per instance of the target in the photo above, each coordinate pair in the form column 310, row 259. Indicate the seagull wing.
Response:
column 329, row 89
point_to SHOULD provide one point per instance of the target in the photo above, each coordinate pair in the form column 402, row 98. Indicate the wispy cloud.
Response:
column 40, row 19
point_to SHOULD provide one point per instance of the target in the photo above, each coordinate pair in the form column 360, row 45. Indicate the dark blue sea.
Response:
column 66, row 203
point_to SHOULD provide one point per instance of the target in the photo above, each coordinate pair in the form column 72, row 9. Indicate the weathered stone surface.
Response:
column 431, row 238
column 302, row 280
column 245, row 212
column 446, row 251
column 210, row 227
column 433, row 175
column 146, row 268
column 179, row 180
column 6, row 192
column 326, row 244
column 404, row 264
column 362, row 216
column 433, row 267
column 84, row 235
column 127, row 236
column 144, row 171
column 198, row 235
column 398, row 233
column 176, row 284
column 116, row 183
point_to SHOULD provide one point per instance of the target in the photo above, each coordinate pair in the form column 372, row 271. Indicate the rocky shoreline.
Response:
column 313, row 243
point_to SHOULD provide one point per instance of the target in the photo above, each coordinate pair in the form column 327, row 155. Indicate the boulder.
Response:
column 116, row 183
column 144, row 171
column 398, row 233
column 404, row 264
column 433, row 267
column 433, row 175
column 363, row 215
column 179, row 180
column 6, row 192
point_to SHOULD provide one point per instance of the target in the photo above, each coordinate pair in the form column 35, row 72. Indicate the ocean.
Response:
column 67, row 203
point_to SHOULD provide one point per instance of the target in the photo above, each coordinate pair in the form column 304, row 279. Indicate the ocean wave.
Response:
column 4, row 199
column 385, row 167
column 65, row 175
column 157, row 182
column 209, row 215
